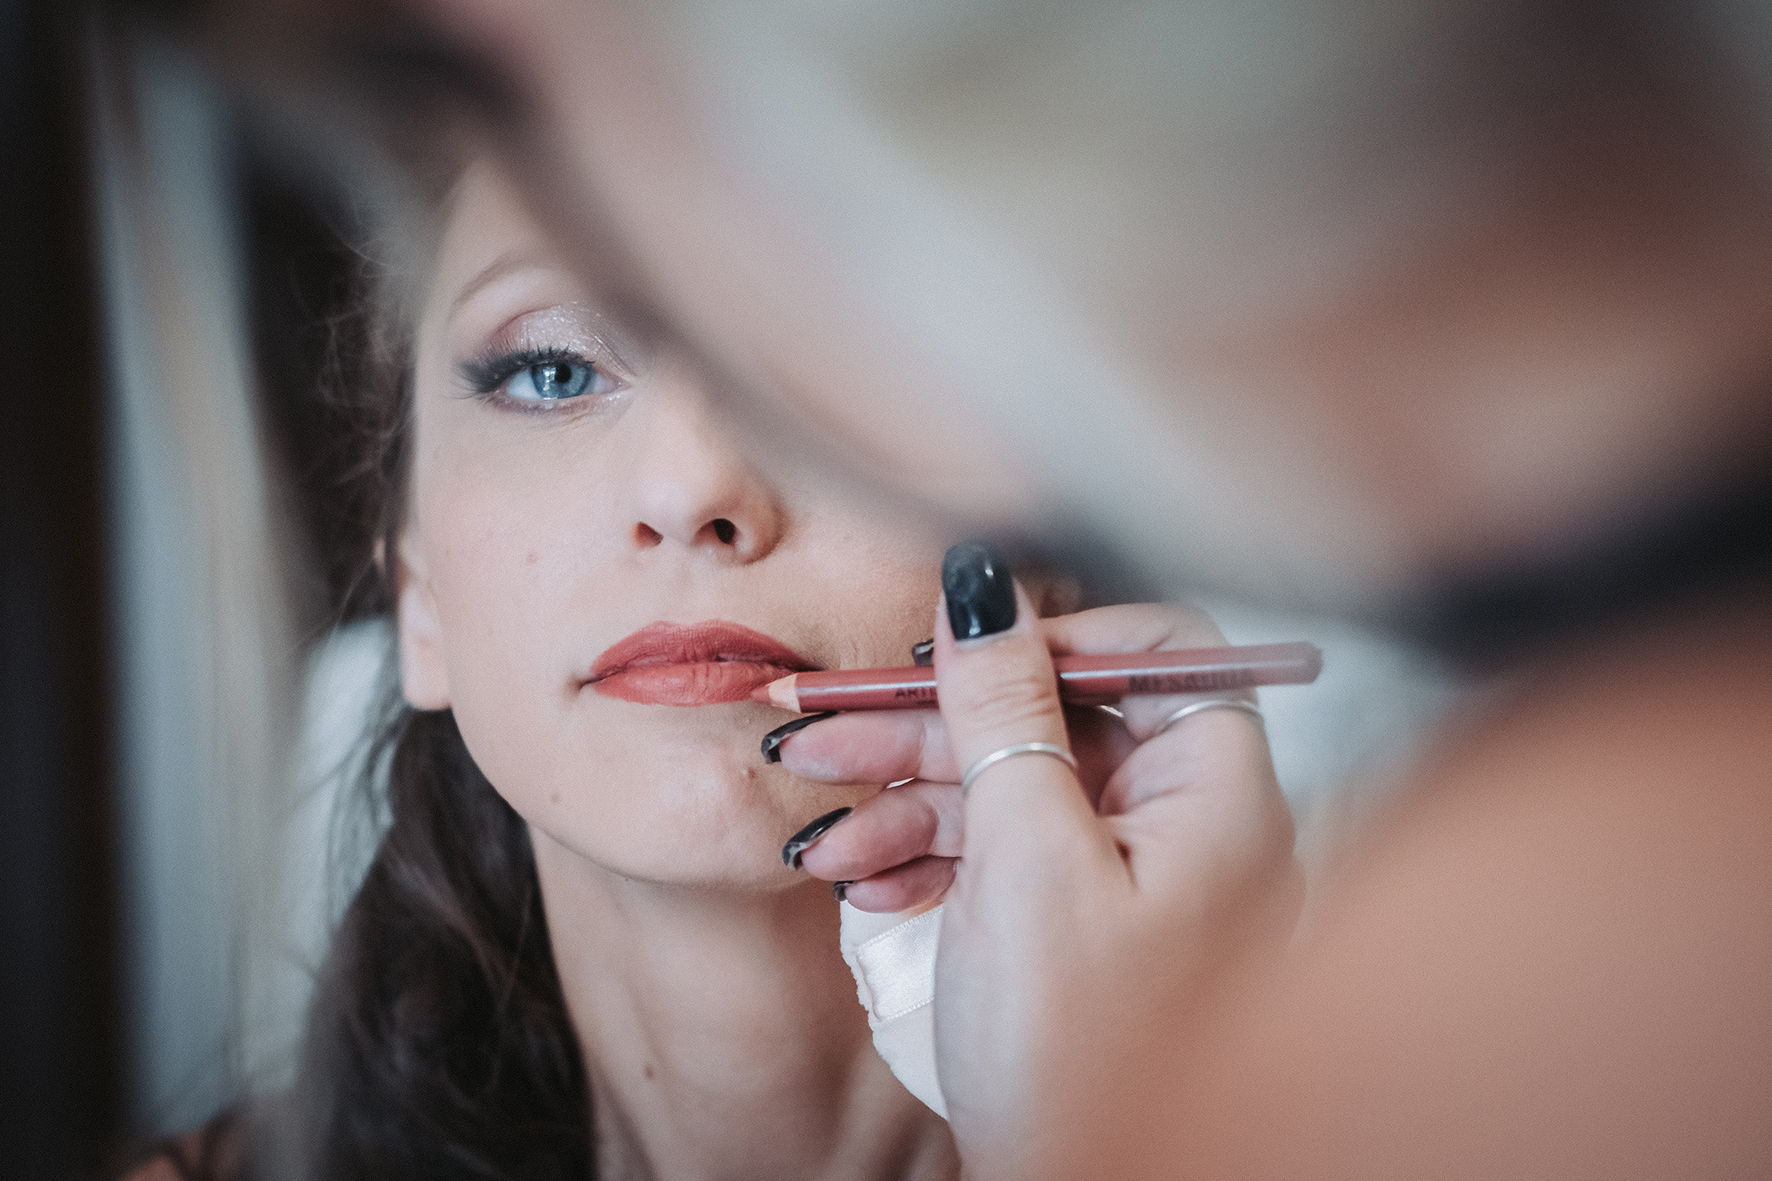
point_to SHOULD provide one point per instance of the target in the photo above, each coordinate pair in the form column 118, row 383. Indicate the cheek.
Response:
column 494, row 542
column 871, row 583
column 505, row 560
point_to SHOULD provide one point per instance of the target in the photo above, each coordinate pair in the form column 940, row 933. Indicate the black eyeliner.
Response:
column 487, row 372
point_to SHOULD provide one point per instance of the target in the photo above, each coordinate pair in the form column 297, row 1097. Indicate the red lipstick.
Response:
column 692, row 664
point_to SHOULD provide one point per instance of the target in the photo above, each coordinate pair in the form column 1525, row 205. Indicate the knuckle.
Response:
column 1018, row 696
column 1192, row 624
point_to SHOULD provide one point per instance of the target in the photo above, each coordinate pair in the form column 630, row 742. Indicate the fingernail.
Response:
column 772, row 741
column 808, row 836
column 923, row 653
column 981, row 597
column 840, row 890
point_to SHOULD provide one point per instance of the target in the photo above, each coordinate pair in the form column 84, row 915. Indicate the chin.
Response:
column 705, row 818
column 714, row 860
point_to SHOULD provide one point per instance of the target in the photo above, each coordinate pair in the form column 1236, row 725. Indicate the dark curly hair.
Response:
column 437, row 1042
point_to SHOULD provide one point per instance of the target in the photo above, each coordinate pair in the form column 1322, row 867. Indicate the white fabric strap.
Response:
column 895, row 969
column 892, row 958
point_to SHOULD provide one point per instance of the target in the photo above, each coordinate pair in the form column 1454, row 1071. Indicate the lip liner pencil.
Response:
column 1082, row 680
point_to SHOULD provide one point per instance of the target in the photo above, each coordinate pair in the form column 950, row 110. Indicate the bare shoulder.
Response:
column 210, row 1153
column 1549, row 962
column 157, row 1168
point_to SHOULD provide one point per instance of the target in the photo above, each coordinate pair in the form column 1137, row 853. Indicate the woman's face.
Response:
column 593, row 580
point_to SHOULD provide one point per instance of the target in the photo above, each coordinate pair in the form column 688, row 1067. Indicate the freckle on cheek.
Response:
column 555, row 797
column 532, row 557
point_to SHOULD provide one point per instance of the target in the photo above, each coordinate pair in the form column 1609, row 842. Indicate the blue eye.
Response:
column 536, row 379
column 554, row 381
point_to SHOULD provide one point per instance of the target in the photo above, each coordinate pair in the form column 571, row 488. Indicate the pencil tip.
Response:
column 779, row 693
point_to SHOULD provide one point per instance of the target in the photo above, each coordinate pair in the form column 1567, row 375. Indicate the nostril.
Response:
column 646, row 535
column 725, row 530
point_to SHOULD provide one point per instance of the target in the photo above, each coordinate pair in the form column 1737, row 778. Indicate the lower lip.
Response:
column 689, row 684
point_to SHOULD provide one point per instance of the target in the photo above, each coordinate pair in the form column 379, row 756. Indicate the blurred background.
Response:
column 185, row 677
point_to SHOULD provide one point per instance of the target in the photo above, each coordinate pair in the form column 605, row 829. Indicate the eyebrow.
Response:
column 497, row 269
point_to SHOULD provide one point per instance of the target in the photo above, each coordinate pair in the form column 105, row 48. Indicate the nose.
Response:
column 689, row 487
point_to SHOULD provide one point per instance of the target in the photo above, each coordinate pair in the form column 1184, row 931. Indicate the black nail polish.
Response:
column 923, row 653
column 840, row 890
column 772, row 741
column 981, row 597
column 808, row 836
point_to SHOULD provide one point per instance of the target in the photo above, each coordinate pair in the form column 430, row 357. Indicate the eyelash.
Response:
column 488, row 373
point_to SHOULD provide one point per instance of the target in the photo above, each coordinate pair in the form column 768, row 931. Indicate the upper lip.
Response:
column 711, row 641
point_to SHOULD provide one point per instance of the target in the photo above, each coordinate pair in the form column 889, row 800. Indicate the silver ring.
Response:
column 1008, row 752
column 1209, row 703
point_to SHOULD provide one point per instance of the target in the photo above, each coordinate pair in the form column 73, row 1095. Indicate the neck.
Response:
column 721, row 1033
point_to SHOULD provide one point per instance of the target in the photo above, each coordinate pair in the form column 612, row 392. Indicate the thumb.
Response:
column 1033, row 854
column 1027, row 818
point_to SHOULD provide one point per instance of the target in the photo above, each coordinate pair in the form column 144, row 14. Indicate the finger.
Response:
column 1211, row 751
column 998, row 690
column 1210, row 830
column 923, row 880
column 1101, row 743
column 891, row 745
column 1199, row 813
column 872, row 747
column 1133, row 627
column 920, row 818
column 1199, row 794
column 912, row 820
column 1141, row 627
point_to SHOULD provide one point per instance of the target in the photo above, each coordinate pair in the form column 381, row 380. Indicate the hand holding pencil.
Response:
column 897, row 849
column 1106, row 888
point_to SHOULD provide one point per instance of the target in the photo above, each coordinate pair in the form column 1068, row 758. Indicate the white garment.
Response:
column 892, row 957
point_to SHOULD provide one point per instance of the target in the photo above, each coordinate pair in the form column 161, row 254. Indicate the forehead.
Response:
column 494, row 260
column 488, row 236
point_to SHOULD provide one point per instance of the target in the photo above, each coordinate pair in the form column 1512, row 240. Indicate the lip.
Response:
column 692, row 664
